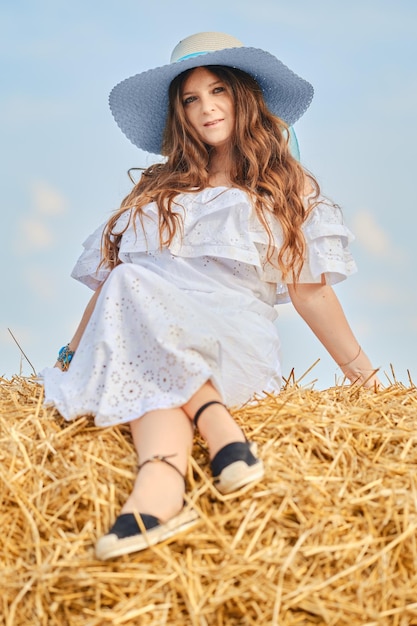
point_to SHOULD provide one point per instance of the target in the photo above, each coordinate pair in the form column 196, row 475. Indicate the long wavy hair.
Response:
column 262, row 165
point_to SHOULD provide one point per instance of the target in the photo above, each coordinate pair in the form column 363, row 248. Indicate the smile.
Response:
column 213, row 123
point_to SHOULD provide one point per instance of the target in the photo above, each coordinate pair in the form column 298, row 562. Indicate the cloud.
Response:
column 47, row 200
column 389, row 294
column 34, row 234
column 374, row 238
column 35, row 229
column 382, row 293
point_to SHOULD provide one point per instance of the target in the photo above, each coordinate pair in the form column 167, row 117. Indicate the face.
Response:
column 209, row 107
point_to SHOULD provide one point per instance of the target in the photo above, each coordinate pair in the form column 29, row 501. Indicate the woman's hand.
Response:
column 359, row 370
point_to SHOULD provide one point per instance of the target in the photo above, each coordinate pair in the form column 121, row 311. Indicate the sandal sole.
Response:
column 111, row 545
column 238, row 475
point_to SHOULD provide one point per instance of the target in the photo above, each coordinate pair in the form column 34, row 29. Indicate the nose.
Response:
column 207, row 104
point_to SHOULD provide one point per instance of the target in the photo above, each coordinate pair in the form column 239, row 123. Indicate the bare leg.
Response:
column 216, row 425
column 158, row 488
column 233, row 460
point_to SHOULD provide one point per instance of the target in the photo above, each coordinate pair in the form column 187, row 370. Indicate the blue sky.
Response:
column 64, row 161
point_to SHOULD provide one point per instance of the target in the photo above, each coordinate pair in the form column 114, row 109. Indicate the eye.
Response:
column 188, row 100
column 219, row 89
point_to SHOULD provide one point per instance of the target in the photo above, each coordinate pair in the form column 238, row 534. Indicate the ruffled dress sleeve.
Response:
column 328, row 257
column 86, row 268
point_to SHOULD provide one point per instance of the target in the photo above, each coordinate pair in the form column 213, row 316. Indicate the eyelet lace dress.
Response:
column 166, row 321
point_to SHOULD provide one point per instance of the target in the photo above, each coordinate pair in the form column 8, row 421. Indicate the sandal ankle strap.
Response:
column 162, row 459
column 203, row 408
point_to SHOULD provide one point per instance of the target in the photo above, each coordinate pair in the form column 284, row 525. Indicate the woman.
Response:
column 188, row 270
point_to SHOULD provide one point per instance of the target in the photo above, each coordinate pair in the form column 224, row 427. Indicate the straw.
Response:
column 327, row 537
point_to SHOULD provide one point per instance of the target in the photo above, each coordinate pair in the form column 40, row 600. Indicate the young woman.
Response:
column 187, row 273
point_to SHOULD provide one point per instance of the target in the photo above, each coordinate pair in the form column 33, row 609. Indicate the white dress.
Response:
column 166, row 321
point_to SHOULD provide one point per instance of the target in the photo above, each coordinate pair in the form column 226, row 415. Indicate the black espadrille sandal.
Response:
column 135, row 532
column 236, row 464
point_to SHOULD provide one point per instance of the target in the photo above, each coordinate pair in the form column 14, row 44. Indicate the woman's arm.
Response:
column 320, row 308
column 73, row 344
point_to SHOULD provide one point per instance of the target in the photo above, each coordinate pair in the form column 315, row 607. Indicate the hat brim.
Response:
column 139, row 104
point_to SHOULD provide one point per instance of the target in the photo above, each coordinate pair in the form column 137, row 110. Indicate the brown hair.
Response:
column 262, row 166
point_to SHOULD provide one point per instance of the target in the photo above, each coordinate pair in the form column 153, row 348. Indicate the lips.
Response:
column 212, row 123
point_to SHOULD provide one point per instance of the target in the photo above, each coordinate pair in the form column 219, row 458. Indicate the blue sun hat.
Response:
column 139, row 104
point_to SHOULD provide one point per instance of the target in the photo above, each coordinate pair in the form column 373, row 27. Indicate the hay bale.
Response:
column 328, row 537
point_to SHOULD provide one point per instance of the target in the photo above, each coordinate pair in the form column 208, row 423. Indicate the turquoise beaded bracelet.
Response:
column 65, row 356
